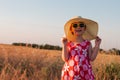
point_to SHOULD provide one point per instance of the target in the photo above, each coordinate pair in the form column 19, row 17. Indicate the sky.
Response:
column 42, row 21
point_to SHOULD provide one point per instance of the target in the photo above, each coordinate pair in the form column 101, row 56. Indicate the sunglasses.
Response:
column 75, row 25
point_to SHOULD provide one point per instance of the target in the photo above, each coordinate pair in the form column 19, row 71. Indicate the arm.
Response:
column 64, row 49
column 93, row 52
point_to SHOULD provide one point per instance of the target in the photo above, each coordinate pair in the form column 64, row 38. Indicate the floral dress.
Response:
column 78, row 66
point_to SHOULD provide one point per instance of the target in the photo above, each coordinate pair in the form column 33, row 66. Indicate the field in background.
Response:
column 24, row 63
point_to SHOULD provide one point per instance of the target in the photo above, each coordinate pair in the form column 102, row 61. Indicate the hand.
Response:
column 97, row 41
column 64, row 40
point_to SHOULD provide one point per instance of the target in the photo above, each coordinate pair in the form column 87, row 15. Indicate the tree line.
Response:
column 45, row 46
column 113, row 51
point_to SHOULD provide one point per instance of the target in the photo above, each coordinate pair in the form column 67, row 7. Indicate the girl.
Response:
column 77, row 51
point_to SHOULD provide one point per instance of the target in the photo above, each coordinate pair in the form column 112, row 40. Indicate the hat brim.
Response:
column 90, row 32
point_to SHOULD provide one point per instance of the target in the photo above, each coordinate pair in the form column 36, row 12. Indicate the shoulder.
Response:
column 70, row 44
column 89, row 45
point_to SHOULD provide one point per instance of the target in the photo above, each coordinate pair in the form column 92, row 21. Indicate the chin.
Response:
column 78, row 34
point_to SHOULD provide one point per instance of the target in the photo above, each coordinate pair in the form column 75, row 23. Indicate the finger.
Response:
column 64, row 39
column 98, row 38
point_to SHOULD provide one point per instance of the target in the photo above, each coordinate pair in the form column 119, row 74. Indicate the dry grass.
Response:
column 100, row 66
column 23, row 63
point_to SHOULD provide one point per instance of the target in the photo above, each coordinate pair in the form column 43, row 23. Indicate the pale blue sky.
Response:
column 42, row 21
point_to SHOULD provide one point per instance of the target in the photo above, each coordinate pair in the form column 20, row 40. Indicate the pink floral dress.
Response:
column 78, row 66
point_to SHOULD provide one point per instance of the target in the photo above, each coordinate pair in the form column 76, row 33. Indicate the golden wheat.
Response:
column 24, row 63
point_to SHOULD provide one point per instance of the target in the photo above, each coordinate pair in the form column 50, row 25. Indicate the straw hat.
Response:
column 90, row 32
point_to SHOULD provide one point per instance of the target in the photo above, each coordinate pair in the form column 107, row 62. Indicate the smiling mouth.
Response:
column 78, row 30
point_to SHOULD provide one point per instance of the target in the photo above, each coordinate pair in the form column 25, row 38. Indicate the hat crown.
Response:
column 76, row 17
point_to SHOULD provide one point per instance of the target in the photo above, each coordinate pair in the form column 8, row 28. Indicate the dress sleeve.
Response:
column 69, row 45
column 88, row 43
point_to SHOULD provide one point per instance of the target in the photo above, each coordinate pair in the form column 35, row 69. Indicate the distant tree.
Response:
column 28, row 45
column 46, row 46
column 118, row 52
column 16, row 44
column 22, row 44
column 57, row 48
column 114, row 51
column 100, row 50
column 35, row 46
column 41, row 47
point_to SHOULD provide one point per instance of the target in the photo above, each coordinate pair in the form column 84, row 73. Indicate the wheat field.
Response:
column 24, row 63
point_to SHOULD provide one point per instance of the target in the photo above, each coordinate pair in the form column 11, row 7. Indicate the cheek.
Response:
column 84, row 29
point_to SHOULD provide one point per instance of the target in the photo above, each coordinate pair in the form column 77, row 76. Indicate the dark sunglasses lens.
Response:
column 82, row 25
column 75, row 25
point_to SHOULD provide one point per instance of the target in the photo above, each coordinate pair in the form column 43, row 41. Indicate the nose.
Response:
column 79, row 27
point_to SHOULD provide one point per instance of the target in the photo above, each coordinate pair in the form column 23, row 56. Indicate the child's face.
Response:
column 78, row 28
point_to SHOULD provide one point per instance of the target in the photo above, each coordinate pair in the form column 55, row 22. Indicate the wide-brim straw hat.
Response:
column 90, row 32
